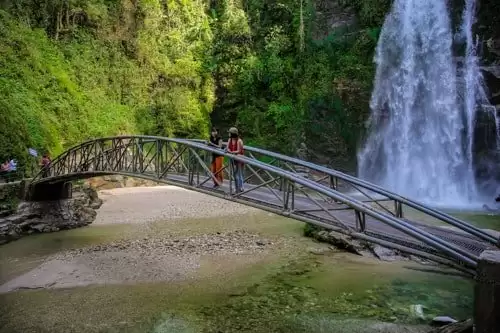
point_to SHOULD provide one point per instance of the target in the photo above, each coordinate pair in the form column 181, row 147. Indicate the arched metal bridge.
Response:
column 282, row 185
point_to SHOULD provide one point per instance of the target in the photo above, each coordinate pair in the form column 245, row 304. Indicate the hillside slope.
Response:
column 285, row 72
column 84, row 69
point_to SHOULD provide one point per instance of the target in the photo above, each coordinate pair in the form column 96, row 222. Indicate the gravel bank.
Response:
column 160, row 257
column 164, row 259
column 237, row 242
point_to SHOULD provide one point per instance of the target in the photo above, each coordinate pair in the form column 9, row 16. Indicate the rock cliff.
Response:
column 50, row 216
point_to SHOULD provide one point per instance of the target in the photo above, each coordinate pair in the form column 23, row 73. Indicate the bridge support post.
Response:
column 360, row 221
column 288, row 195
column 398, row 208
column 487, row 293
column 334, row 185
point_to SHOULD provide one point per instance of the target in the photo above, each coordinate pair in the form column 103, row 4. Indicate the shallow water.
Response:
column 275, row 292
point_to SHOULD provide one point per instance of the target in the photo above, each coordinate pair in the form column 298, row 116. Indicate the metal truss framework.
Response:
column 275, row 183
column 364, row 191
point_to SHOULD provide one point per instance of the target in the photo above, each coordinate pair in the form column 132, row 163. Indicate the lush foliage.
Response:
column 284, row 85
column 75, row 69
column 71, row 70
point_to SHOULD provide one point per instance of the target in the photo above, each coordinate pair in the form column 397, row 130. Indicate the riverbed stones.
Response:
column 417, row 311
column 334, row 324
column 346, row 243
column 384, row 253
column 234, row 242
column 318, row 251
column 51, row 216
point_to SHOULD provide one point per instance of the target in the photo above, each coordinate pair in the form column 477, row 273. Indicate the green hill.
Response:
column 77, row 69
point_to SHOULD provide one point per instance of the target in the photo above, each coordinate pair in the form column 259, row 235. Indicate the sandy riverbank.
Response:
column 142, row 205
column 160, row 243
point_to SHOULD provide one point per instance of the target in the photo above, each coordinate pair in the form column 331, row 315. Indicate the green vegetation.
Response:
column 71, row 70
column 283, row 301
column 74, row 69
column 289, row 75
column 9, row 196
column 286, row 72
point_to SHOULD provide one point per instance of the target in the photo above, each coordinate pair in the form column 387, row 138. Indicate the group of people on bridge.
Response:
column 234, row 146
column 8, row 169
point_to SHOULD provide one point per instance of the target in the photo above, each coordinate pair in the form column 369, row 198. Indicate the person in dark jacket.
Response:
column 217, row 160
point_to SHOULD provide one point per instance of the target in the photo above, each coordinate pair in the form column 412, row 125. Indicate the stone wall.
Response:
column 50, row 216
column 117, row 181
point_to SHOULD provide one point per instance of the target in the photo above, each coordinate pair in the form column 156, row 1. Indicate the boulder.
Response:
column 351, row 245
column 386, row 254
column 341, row 241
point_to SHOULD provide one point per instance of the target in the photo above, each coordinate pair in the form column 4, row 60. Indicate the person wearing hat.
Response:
column 235, row 146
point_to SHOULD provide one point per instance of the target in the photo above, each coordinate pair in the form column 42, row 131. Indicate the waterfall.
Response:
column 421, row 129
column 475, row 98
column 472, row 82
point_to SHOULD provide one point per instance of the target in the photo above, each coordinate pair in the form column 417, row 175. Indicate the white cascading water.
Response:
column 474, row 96
column 472, row 84
column 423, row 112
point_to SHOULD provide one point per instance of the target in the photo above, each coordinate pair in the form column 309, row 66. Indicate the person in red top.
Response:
column 235, row 146
column 44, row 165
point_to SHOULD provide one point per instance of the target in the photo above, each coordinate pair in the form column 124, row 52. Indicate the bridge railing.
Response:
column 367, row 192
column 270, row 187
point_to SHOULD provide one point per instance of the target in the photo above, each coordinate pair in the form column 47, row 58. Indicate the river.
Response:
column 164, row 259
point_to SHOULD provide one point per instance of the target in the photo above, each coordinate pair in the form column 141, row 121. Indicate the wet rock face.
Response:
column 359, row 247
column 50, row 216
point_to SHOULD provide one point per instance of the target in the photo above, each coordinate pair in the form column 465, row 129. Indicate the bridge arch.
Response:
column 270, row 187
